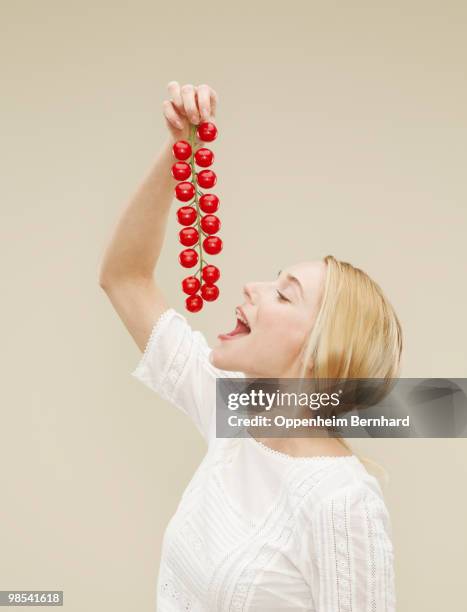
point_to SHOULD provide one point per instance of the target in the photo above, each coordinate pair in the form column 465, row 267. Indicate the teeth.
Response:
column 242, row 318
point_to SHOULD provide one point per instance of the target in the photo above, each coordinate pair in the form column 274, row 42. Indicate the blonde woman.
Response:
column 273, row 524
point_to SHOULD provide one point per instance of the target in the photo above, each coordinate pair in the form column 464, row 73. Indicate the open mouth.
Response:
column 242, row 328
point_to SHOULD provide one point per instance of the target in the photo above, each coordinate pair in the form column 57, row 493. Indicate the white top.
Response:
column 256, row 529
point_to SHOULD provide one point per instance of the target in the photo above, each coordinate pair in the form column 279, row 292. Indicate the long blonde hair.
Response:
column 356, row 333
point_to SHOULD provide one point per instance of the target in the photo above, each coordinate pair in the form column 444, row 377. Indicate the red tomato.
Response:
column 181, row 150
column 194, row 303
column 188, row 258
column 212, row 245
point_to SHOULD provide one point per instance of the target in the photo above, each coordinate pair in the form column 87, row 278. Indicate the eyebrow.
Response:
column 294, row 279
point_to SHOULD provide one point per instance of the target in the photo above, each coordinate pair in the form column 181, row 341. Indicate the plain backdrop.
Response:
column 342, row 129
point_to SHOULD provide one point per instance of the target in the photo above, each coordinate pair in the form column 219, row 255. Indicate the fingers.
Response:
column 214, row 101
column 207, row 101
column 196, row 103
column 174, row 91
column 189, row 102
column 171, row 114
column 204, row 101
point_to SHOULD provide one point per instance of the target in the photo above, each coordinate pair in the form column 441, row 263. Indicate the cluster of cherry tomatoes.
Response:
column 201, row 285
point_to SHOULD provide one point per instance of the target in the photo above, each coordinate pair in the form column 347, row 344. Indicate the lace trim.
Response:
column 156, row 328
column 291, row 457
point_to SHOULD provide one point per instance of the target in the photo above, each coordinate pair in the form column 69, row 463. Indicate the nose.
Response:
column 248, row 291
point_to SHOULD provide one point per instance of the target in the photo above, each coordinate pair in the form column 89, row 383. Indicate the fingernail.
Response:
column 179, row 125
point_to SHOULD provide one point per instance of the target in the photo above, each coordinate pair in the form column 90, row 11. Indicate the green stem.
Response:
column 193, row 129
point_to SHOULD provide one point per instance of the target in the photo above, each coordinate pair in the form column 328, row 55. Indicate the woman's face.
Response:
column 280, row 314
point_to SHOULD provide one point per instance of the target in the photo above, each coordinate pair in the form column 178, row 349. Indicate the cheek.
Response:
column 273, row 316
column 282, row 330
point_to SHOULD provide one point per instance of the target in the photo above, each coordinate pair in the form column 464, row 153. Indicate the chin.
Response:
column 213, row 358
column 217, row 359
column 220, row 360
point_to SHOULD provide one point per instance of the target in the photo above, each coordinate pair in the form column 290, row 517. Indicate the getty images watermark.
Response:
column 314, row 401
column 399, row 408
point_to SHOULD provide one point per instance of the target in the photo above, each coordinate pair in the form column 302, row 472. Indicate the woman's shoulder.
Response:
column 340, row 482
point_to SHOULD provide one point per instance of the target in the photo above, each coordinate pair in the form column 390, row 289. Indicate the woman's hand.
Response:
column 188, row 104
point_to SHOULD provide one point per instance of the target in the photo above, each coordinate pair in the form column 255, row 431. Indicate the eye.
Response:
column 282, row 296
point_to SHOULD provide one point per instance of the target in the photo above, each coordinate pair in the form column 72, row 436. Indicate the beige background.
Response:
column 342, row 130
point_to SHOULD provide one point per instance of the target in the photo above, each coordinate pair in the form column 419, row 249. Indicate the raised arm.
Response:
column 127, row 269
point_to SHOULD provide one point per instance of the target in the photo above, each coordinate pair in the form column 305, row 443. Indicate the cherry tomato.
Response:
column 211, row 274
column 204, row 157
column 212, row 245
column 181, row 171
column 186, row 215
column 210, row 224
column 188, row 258
column 181, row 150
column 208, row 203
column 194, row 303
column 190, row 285
column 188, row 236
column 184, row 191
column 206, row 131
column 206, row 178
column 209, row 292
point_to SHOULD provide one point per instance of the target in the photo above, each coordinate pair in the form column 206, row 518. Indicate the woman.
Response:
column 271, row 524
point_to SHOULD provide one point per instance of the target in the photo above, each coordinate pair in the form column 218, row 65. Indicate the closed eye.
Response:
column 282, row 296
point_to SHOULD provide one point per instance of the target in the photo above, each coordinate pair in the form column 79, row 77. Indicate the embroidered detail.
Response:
column 192, row 538
column 372, row 558
column 176, row 365
column 170, row 590
column 341, row 555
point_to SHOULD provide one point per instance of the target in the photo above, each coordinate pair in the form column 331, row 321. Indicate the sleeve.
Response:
column 175, row 364
column 348, row 557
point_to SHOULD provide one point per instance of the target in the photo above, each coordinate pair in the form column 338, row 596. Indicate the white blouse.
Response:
column 256, row 529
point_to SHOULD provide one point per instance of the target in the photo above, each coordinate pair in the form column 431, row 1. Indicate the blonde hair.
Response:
column 356, row 333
